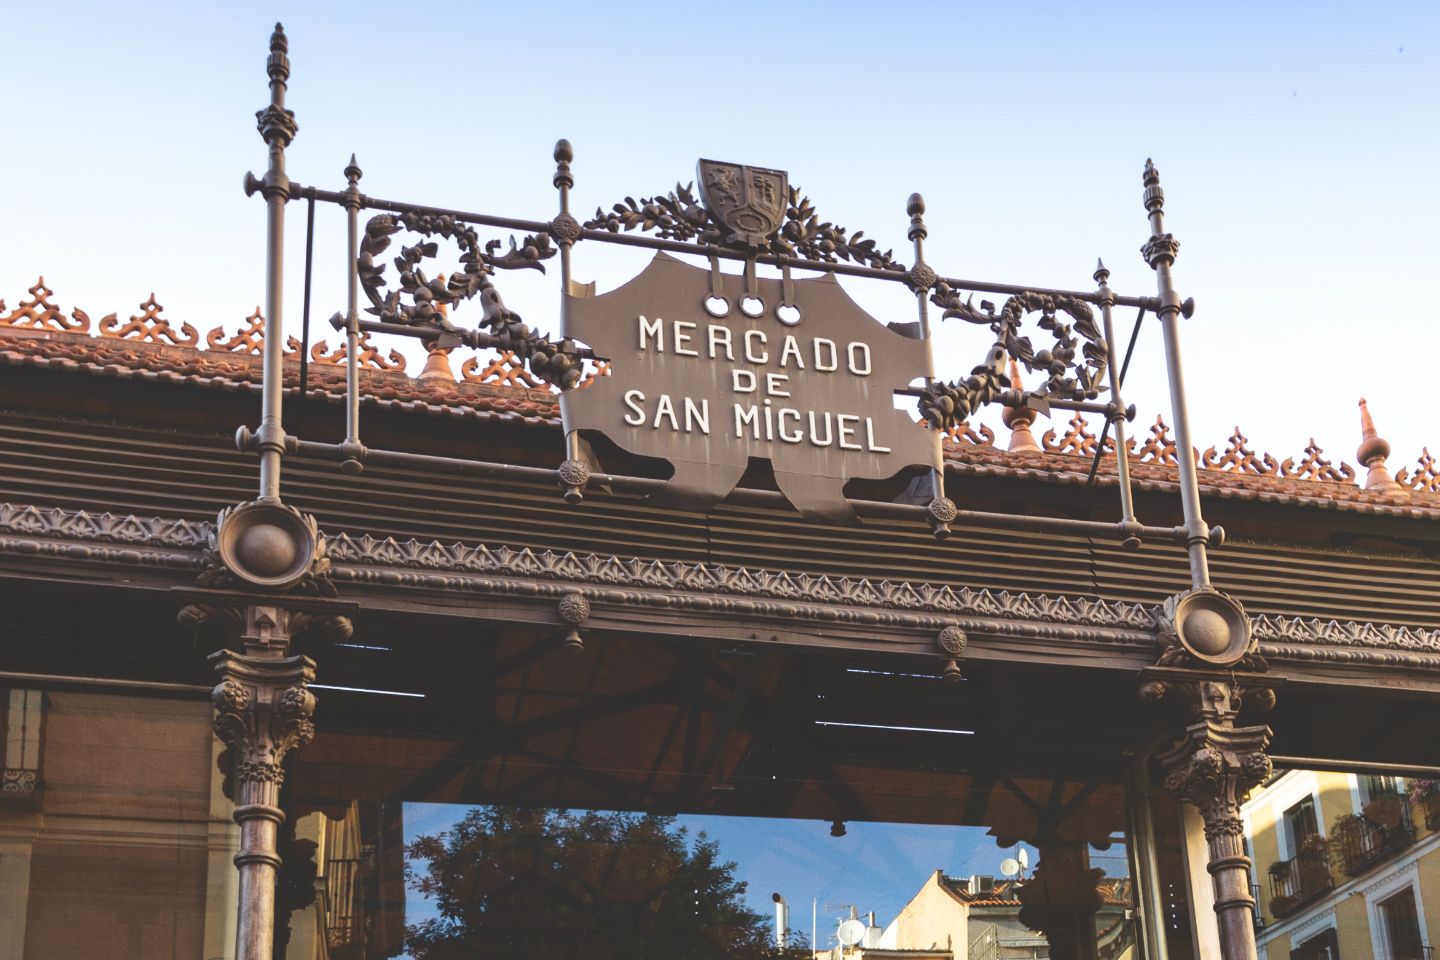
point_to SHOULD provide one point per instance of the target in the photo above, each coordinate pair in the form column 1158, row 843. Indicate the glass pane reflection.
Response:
column 504, row 881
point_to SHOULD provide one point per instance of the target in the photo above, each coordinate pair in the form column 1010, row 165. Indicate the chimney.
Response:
column 782, row 920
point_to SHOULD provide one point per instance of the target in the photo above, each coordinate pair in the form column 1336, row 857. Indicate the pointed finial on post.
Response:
column 1019, row 419
column 1101, row 273
column 1161, row 247
column 564, row 154
column 353, row 173
column 916, row 210
column 278, row 66
column 1372, row 453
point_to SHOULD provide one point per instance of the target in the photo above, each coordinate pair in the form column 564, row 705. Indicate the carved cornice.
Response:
column 107, row 538
column 103, row 527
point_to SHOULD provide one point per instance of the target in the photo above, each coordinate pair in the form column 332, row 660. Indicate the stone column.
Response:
column 1209, row 665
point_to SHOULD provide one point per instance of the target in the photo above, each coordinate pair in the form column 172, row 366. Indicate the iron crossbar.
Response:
column 695, row 249
column 742, row 496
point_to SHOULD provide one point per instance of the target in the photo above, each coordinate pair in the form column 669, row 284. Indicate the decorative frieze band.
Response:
column 153, row 541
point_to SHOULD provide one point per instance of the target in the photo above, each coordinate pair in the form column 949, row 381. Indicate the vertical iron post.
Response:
column 1160, row 251
column 574, row 471
column 305, row 314
column 277, row 128
column 922, row 278
column 1116, row 416
column 565, row 227
column 352, row 463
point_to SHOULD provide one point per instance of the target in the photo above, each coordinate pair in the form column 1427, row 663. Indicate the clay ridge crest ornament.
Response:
column 703, row 378
column 749, row 202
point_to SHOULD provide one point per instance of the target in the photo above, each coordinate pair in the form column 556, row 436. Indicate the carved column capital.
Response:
column 1215, row 767
column 263, row 710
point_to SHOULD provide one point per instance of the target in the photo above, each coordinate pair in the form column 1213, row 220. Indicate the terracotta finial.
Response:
column 1372, row 453
column 437, row 361
column 1019, row 419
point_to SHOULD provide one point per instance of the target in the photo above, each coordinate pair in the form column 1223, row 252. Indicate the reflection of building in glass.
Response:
column 986, row 918
column 113, row 827
column 1346, row 865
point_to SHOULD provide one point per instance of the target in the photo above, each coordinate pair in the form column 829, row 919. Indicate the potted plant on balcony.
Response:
column 1283, row 905
column 1385, row 811
column 1348, row 841
column 1426, row 794
column 1314, row 864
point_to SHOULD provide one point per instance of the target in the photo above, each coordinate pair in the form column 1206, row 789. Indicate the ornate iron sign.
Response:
column 711, row 370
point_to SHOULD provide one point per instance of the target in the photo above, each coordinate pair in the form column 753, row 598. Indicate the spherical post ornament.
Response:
column 1209, row 626
column 271, row 546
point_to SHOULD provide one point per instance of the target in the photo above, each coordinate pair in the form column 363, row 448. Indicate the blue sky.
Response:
column 875, row 866
column 1297, row 143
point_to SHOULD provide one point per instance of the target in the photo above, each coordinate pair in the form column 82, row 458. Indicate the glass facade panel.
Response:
column 115, row 835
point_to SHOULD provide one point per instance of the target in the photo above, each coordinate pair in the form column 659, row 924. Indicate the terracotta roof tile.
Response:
column 37, row 334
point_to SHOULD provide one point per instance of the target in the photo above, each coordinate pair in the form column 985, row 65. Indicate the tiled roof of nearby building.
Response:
column 1114, row 891
column 38, row 333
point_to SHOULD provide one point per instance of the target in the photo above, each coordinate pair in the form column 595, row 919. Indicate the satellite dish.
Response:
column 851, row 932
column 1009, row 866
column 1024, row 857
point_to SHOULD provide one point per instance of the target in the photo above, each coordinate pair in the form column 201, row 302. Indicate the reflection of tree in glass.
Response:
column 558, row 884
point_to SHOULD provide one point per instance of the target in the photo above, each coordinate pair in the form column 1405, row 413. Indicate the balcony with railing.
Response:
column 344, row 930
column 1302, row 878
column 1384, row 828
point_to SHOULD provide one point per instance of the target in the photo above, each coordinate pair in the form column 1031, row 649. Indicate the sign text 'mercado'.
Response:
column 709, row 394
column 762, row 410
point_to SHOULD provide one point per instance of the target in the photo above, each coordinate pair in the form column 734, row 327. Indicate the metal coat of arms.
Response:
column 748, row 201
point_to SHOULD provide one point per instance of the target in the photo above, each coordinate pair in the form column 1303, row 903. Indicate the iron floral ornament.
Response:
column 709, row 371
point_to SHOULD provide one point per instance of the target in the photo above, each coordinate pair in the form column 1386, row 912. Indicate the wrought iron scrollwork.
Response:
column 681, row 215
column 429, row 299
column 1073, row 367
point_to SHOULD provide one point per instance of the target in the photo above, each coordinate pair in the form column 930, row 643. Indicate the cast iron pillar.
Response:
column 1214, row 767
column 264, row 583
column 263, row 711
column 1160, row 252
column 1209, row 667
column 277, row 128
